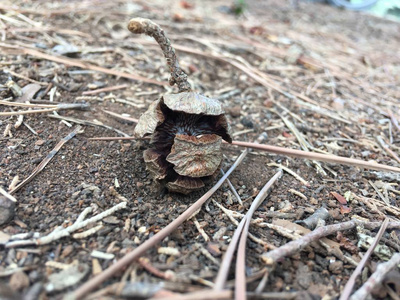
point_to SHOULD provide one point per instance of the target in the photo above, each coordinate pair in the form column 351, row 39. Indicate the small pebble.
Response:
column 39, row 142
column 7, row 210
column 234, row 111
column 213, row 248
column 113, row 220
column 67, row 251
column 336, row 267
column 247, row 122
column 19, row 281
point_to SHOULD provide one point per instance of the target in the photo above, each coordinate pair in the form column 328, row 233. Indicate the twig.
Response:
column 106, row 89
column 7, row 195
column 199, row 295
column 384, row 199
column 394, row 120
column 295, row 246
column 352, row 280
column 120, row 117
column 391, row 292
column 231, row 214
column 89, row 123
column 317, row 156
column 24, row 77
column 50, row 29
column 178, row 76
column 27, row 112
column 47, row 159
column 240, row 280
column 304, row 144
column 137, row 252
column 145, row 263
column 200, row 229
column 60, row 232
column 57, row 265
column 223, row 271
column 114, row 138
column 387, row 149
column 272, row 295
column 376, row 278
column 297, row 193
column 233, row 189
column 291, row 172
column 201, row 280
column 89, row 232
column 59, row 106
column 283, row 231
column 50, row 108
column 197, row 224
column 207, row 254
column 30, row 128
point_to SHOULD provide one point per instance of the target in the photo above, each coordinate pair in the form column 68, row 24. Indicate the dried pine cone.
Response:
column 186, row 128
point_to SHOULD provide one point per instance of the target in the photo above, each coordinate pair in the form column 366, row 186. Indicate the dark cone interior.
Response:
column 180, row 123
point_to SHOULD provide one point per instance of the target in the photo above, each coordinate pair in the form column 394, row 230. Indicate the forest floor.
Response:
column 312, row 77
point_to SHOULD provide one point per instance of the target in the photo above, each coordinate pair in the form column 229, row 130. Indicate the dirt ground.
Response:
column 332, row 75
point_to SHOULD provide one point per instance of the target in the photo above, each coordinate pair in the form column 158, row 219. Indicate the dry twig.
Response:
column 106, row 89
column 47, row 108
column 317, row 156
column 376, row 278
column 270, row 258
column 240, row 281
column 60, row 232
column 7, row 195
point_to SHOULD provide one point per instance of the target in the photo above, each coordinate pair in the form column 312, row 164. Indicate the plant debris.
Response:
column 298, row 85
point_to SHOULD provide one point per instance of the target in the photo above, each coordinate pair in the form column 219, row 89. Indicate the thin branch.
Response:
column 89, row 123
column 148, row 27
column 50, row 108
column 387, row 148
column 120, row 117
column 59, row 106
column 295, row 246
column 199, row 295
column 240, row 280
column 291, row 172
column 61, row 232
column 106, row 89
column 317, row 156
column 376, row 278
column 7, row 195
column 114, row 138
column 233, row 189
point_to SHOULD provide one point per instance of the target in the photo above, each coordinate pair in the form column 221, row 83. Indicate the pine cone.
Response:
column 186, row 134
column 186, row 128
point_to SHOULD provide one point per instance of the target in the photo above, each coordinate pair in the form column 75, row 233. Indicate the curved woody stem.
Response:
column 178, row 76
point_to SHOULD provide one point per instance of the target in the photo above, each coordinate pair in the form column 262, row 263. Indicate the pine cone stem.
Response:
column 178, row 76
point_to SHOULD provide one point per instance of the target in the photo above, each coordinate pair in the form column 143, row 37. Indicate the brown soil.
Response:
column 346, row 62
